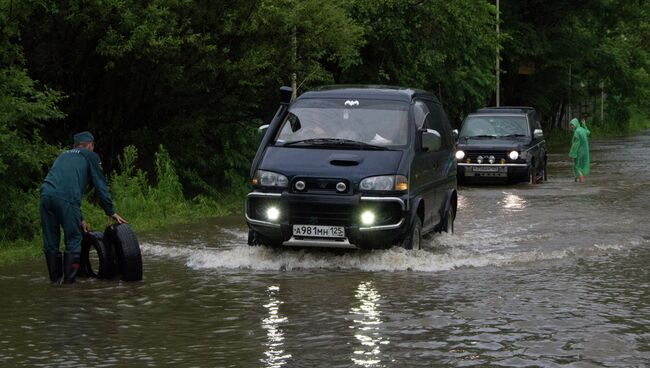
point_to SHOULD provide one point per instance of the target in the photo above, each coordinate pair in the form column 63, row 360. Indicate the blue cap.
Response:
column 83, row 137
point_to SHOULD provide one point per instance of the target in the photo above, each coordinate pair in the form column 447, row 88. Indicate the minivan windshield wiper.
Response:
column 335, row 142
column 479, row 136
column 512, row 135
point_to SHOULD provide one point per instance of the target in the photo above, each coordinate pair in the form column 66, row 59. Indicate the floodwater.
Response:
column 553, row 275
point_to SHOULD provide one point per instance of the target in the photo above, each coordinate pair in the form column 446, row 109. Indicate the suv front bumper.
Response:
column 492, row 170
column 344, row 211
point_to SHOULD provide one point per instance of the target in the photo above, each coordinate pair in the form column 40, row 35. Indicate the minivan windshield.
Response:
column 495, row 126
column 378, row 123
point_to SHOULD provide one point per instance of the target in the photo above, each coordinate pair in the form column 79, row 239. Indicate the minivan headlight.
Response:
column 385, row 182
column 270, row 179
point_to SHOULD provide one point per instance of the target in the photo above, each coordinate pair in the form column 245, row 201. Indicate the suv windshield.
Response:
column 368, row 122
column 495, row 126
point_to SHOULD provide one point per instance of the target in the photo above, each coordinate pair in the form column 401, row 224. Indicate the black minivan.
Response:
column 353, row 167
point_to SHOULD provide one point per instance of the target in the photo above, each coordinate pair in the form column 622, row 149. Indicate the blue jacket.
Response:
column 69, row 177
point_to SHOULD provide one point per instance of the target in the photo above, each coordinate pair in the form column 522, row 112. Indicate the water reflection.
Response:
column 275, row 356
column 367, row 326
column 513, row 202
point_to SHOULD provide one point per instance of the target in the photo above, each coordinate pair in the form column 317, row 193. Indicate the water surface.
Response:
column 550, row 275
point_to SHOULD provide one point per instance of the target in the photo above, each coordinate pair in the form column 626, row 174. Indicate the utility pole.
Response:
column 294, row 64
column 498, row 71
column 602, row 102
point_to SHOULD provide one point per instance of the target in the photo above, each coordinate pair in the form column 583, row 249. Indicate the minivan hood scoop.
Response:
column 341, row 159
column 330, row 163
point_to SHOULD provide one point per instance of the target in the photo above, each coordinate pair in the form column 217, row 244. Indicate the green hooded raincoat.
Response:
column 580, row 149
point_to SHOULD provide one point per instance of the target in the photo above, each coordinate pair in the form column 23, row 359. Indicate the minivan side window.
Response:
column 438, row 120
column 421, row 114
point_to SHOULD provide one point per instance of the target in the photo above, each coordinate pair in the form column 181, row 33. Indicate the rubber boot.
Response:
column 54, row 266
column 71, row 266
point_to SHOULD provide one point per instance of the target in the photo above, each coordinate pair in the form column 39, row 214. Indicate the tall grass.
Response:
column 639, row 120
column 145, row 204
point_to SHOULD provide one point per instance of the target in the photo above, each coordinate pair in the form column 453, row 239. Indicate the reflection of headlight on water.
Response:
column 368, row 325
column 275, row 356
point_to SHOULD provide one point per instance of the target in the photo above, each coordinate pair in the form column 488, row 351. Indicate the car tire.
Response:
column 448, row 221
column 105, row 257
column 256, row 239
column 414, row 238
column 127, row 251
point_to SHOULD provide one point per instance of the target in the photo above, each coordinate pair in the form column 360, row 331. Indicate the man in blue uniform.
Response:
column 60, row 205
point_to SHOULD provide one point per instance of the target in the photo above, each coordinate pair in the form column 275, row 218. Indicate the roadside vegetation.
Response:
column 146, row 206
column 198, row 78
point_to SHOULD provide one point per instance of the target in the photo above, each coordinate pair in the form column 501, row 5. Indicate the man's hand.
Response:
column 117, row 218
column 84, row 226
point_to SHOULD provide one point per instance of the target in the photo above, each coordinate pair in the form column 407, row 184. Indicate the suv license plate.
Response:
column 319, row 231
column 485, row 168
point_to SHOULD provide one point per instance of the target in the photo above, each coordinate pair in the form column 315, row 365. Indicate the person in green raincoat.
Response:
column 579, row 151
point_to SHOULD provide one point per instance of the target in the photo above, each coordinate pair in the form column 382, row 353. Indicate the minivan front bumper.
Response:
column 344, row 211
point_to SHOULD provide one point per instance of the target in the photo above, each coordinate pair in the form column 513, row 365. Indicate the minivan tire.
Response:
column 106, row 267
column 448, row 221
column 256, row 239
column 414, row 238
column 127, row 251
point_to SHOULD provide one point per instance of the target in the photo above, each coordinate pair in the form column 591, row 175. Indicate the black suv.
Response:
column 505, row 143
column 353, row 167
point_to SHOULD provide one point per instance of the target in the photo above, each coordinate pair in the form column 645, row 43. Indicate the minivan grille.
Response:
column 320, row 214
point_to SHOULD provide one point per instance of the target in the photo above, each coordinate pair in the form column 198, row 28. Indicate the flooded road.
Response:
column 553, row 275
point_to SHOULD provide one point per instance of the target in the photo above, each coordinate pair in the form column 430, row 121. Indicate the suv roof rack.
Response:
column 506, row 108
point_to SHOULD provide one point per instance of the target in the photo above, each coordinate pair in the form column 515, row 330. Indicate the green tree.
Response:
column 573, row 48
column 194, row 76
column 442, row 46
column 24, row 106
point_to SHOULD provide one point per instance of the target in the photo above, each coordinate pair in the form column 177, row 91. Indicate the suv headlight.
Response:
column 460, row 155
column 270, row 179
column 385, row 182
column 513, row 155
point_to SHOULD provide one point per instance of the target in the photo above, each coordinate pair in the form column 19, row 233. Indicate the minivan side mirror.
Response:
column 261, row 131
column 285, row 94
column 431, row 140
column 454, row 133
column 538, row 134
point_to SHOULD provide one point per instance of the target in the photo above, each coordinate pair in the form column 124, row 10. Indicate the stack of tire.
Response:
column 118, row 253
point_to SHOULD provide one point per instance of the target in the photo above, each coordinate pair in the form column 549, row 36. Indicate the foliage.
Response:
column 575, row 48
column 198, row 77
column 24, row 104
column 443, row 46
column 148, row 206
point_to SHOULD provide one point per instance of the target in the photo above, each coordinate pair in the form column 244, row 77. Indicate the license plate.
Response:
column 319, row 231
column 485, row 168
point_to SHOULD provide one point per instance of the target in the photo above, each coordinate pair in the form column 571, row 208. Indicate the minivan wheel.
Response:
column 256, row 239
column 414, row 239
column 450, row 216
